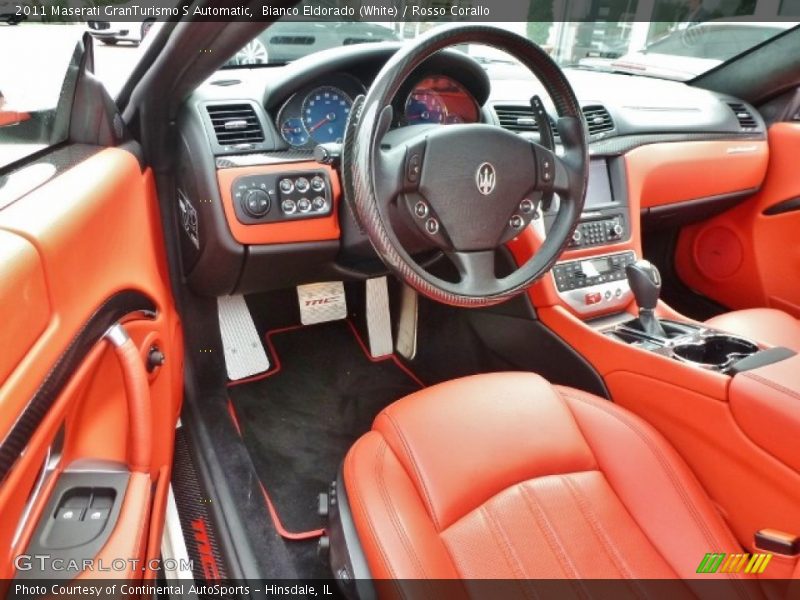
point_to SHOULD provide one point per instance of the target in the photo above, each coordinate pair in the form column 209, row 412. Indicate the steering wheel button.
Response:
column 516, row 222
column 432, row 226
column 414, row 165
column 526, row 206
column 421, row 209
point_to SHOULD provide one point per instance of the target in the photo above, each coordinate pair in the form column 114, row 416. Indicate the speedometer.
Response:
column 325, row 111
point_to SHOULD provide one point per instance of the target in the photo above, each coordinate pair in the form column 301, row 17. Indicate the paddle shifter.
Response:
column 645, row 282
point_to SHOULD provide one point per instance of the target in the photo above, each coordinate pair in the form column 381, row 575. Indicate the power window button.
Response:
column 96, row 515
column 69, row 515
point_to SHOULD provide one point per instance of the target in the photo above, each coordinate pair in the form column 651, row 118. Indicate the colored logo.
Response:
column 733, row 563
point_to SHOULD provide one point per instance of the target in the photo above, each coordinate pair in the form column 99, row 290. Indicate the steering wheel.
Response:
column 468, row 188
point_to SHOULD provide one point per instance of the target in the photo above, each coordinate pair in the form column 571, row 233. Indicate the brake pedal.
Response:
column 244, row 352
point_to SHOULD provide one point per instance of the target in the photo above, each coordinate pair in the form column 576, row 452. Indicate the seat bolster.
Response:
column 397, row 535
column 766, row 325
column 653, row 482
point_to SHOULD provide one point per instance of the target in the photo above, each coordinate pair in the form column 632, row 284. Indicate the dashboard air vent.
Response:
column 744, row 116
column 235, row 124
column 516, row 118
column 597, row 119
column 519, row 118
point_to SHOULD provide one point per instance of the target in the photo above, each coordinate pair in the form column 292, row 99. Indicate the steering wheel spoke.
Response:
column 475, row 268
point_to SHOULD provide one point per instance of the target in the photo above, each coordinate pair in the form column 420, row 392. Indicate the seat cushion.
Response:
column 767, row 325
column 505, row 476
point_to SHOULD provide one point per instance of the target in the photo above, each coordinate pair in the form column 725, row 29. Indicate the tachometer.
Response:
column 440, row 99
column 294, row 132
column 325, row 111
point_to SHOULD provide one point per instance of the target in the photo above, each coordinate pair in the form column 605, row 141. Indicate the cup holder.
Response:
column 715, row 351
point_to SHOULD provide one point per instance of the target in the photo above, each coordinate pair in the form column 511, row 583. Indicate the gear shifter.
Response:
column 645, row 282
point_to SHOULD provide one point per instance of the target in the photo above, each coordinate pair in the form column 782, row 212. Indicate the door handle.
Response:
column 137, row 392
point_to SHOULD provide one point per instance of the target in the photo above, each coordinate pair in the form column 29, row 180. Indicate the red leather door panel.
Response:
column 82, row 238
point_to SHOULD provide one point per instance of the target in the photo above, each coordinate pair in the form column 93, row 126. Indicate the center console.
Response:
column 692, row 344
column 596, row 282
column 605, row 213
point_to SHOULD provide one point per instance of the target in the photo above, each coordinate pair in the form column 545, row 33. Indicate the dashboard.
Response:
column 252, row 220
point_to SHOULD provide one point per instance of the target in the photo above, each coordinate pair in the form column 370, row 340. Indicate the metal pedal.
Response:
column 379, row 319
column 244, row 352
column 407, row 329
column 321, row 302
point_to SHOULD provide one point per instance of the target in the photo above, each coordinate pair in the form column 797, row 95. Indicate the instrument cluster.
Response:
column 318, row 114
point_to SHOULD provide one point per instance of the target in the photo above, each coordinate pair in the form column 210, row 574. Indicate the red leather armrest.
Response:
column 766, row 404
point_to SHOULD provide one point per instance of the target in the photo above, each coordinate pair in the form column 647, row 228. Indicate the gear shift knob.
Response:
column 645, row 282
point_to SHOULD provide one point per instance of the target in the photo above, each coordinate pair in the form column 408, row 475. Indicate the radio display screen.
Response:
column 598, row 191
column 602, row 265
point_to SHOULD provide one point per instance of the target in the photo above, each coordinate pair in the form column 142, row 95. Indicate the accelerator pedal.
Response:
column 244, row 352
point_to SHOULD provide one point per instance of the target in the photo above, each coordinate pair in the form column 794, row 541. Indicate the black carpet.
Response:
column 299, row 422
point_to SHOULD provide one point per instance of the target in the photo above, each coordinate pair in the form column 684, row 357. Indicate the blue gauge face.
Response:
column 425, row 106
column 293, row 131
column 325, row 112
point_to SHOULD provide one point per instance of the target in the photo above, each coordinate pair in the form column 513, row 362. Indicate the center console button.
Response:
column 318, row 203
column 287, row 186
column 302, row 185
column 592, row 298
column 304, row 205
column 317, row 183
column 288, row 207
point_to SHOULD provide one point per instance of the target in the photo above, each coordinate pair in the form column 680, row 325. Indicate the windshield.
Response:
column 679, row 49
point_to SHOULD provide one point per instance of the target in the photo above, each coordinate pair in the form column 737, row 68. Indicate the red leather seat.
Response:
column 504, row 476
column 769, row 325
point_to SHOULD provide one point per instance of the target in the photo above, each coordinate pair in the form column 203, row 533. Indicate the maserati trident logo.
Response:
column 486, row 178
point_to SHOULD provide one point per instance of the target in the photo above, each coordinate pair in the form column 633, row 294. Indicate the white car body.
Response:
column 119, row 31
